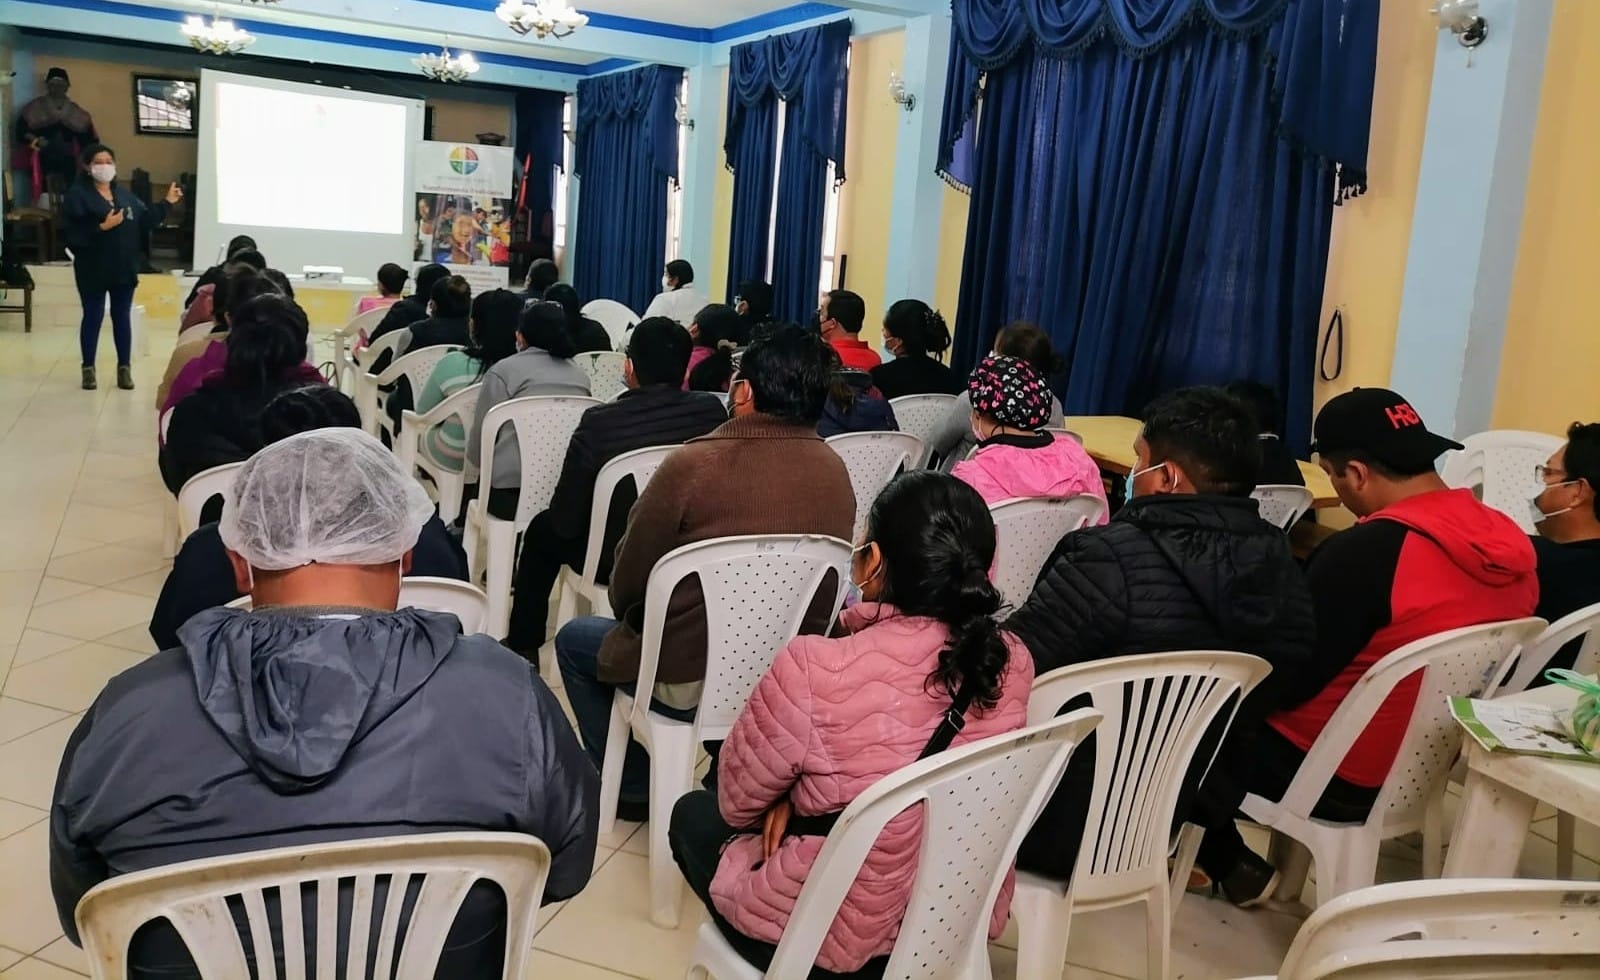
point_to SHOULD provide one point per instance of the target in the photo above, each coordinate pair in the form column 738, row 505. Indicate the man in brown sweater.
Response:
column 704, row 491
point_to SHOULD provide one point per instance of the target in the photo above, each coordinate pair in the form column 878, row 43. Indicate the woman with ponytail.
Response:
column 833, row 716
column 916, row 334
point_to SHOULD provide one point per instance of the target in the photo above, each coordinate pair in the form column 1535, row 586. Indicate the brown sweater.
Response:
column 752, row 475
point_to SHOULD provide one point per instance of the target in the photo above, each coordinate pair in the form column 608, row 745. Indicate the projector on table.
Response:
column 333, row 272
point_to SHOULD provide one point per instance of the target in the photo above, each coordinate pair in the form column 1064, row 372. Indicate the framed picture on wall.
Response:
column 165, row 106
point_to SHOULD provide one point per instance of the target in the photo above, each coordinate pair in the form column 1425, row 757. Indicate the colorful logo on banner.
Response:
column 463, row 159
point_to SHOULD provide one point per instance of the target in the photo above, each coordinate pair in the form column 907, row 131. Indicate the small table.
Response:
column 25, row 307
column 1502, row 790
column 1109, row 440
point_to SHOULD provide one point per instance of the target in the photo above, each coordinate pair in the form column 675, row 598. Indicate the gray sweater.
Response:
column 522, row 375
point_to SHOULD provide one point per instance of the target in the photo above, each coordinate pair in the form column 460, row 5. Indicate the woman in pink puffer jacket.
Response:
column 833, row 716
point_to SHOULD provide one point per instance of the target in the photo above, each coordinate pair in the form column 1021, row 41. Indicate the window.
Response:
column 568, row 154
column 830, row 236
column 675, row 191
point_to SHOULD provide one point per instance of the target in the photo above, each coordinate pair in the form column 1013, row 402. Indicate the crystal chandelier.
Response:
column 216, row 36
column 541, row 18
column 447, row 67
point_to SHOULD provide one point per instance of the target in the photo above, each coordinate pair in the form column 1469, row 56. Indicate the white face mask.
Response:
column 1536, row 513
column 105, row 173
column 666, row 283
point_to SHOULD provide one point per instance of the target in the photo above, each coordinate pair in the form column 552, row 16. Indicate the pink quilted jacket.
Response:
column 829, row 719
column 1062, row 469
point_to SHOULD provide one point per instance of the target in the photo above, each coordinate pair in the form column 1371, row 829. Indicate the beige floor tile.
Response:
column 149, row 584
column 28, row 767
column 27, row 913
column 70, row 680
column 103, row 524
column 37, row 644
column 135, row 638
column 18, row 717
column 15, row 817
column 91, row 615
column 104, row 565
column 1586, row 836
column 19, row 588
column 548, row 966
column 70, row 544
column 608, row 924
column 32, row 969
column 63, row 954
column 9, row 957
column 13, row 620
column 53, row 589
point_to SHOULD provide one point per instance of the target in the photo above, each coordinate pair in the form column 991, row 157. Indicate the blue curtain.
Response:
column 807, row 69
column 1153, row 181
column 627, row 154
column 538, row 148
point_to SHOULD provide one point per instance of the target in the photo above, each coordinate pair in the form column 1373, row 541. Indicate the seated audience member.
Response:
column 1010, row 404
column 542, row 274
column 446, row 325
column 220, row 422
column 1186, row 564
column 914, row 333
column 753, row 303
column 201, row 578
column 654, row 411
column 412, row 309
column 193, row 360
column 391, row 289
column 711, row 360
column 493, row 332
column 840, row 318
column 1278, row 465
column 855, row 405
column 204, row 307
column 677, row 300
column 833, row 716
column 326, row 713
column 587, row 333
column 216, row 273
column 542, row 366
column 1566, row 513
column 1421, row 559
column 775, row 400
column 954, row 441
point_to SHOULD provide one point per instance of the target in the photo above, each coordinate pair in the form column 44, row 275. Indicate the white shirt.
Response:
column 677, row 304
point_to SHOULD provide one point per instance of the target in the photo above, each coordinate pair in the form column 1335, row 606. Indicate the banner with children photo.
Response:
column 463, row 210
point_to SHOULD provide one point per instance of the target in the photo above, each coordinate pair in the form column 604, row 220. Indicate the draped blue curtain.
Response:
column 627, row 153
column 1153, row 181
column 808, row 70
column 538, row 148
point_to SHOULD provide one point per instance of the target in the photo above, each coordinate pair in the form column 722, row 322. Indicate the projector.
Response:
column 323, row 272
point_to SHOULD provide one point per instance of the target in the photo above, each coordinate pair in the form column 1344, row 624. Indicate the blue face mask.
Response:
column 852, row 590
column 1138, row 473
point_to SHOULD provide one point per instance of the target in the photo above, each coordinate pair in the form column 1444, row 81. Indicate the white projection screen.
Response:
column 317, row 176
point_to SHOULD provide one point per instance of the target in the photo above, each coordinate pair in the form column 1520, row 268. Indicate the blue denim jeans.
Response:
column 94, row 312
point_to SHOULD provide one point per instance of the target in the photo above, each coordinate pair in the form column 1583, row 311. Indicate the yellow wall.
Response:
column 866, row 198
column 1552, row 343
column 952, row 246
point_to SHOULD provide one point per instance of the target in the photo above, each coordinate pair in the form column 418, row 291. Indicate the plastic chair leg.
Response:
column 611, row 768
column 502, row 545
column 472, row 543
column 1566, row 831
column 672, row 752
column 567, row 605
column 1433, row 834
column 1189, row 838
column 1293, row 861
column 1352, row 862
column 1043, row 910
column 1158, row 932
column 450, row 493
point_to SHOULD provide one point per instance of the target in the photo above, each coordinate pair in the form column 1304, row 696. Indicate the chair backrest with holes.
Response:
column 200, row 488
column 922, row 416
column 615, row 317
column 1501, row 462
column 873, row 459
column 978, row 802
column 446, row 595
column 639, row 465
column 1581, row 625
column 1282, row 504
column 604, row 369
column 416, row 365
column 1460, row 662
column 1528, row 917
column 1157, row 706
column 1027, row 530
column 543, row 425
column 460, row 406
column 389, row 342
column 370, row 878
column 757, row 589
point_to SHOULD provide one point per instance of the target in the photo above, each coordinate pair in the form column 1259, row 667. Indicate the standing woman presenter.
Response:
column 104, row 228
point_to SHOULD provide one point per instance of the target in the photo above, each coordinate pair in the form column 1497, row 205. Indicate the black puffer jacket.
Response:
column 856, row 405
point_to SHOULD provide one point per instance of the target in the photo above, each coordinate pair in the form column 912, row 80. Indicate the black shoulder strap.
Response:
column 954, row 720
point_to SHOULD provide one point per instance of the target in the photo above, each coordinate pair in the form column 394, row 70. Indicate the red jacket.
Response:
column 1434, row 562
column 857, row 354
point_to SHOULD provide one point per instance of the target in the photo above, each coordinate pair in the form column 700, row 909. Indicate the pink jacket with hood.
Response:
column 1024, row 466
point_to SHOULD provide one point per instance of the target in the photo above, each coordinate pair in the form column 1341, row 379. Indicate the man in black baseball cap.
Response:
column 1380, row 429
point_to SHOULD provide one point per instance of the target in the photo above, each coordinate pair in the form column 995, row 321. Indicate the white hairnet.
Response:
column 331, row 496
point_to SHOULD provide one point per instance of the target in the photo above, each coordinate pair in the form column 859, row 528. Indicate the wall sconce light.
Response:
column 898, row 93
column 681, row 116
column 1461, row 18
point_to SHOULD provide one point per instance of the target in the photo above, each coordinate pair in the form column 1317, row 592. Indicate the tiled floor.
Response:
column 81, row 512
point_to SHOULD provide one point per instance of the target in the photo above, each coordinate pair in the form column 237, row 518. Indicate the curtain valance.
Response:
column 807, row 69
column 645, row 97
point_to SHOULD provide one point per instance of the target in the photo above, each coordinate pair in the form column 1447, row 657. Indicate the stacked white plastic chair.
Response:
column 364, row 384
column 922, row 416
column 978, row 801
column 416, row 366
column 462, row 406
column 757, row 589
column 199, row 898
column 463, row 600
column 1501, row 463
column 1282, row 504
column 604, row 369
column 1157, row 707
column 873, row 459
column 615, row 317
column 344, row 341
column 1027, row 530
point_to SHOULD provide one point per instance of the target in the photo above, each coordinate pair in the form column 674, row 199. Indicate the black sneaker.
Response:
column 89, row 383
column 1251, row 883
column 124, row 377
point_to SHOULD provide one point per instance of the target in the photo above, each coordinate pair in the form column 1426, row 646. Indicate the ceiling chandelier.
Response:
column 541, row 18
column 215, row 36
column 447, row 67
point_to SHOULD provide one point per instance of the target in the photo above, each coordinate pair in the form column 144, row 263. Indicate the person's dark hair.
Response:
column 1583, row 456
column 566, row 297
column 848, row 308
column 716, row 323
column 718, row 326
column 758, row 296
column 659, row 349
column 452, row 297
column 544, row 325
column 267, row 342
column 681, row 271
column 244, row 257
column 789, row 373
column 307, row 407
column 920, row 328
column 542, row 274
column 1209, row 433
column 427, row 277
column 89, row 153
column 238, row 288
column 495, row 316
column 1262, row 402
column 280, row 280
column 392, row 278
column 239, row 243
column 1341, row 459
column 937, row 542
column 1029, row 342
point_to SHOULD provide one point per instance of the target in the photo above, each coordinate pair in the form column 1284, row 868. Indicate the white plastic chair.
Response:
column 1457, row 662
column 1027, row 530
column 604, row 369
column 446, row 595
column 1282, row 504
column 757, row 591
column 416, row 366
column 873, row 459
column 1157, row 707
column 462, row 406
column 1501, row 463
column 195, row 897
column 1479, row 925
column 922, row 416
column 639, row 465
column 344, row 341
column 200, row 488
column 978, row 801
column 543, row 425
column 365, row 384
column 615, row 317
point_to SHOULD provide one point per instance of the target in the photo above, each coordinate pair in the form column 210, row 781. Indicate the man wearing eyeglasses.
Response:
column 1566, row 513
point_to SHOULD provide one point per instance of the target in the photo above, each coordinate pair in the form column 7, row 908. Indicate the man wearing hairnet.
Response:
column 325, row 714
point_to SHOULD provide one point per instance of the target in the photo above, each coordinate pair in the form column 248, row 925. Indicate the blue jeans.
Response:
column 577, row 656
column 94, row 311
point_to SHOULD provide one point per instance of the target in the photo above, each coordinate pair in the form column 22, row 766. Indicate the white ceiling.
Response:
column 687, row 13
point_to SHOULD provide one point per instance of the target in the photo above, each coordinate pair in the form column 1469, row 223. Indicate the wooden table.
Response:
column 1502, row 790
column 1109, row 439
